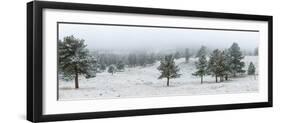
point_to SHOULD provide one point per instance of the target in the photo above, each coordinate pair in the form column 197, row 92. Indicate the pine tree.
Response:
column 111, row 69
column 202, row 51
column 236, row 63
column 102, row 67
column 142, row 59
column 91, row 67
column 201, row 67
column 120, row 66
column 215, row 65
column 222, row 65
column 168, row 68
column 151, row 58
column 132, row 59
column 101, row 59
column 226, row 64
column 251, row 69
column 187, row 55
column 74, row 59
column 177, row 55
column 256, row 51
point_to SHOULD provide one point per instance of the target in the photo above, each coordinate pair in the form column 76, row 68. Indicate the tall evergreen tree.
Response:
column 251, row 69
column 219, row 65
column 187, row 55
column 222, row 66
column 74, row 59
column 201, row 66
column 202, row 51
column 236, row 64
column 168, row 68
column 226, row 64
column 215, row 65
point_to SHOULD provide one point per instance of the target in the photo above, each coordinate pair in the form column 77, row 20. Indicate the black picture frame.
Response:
column 35, row 69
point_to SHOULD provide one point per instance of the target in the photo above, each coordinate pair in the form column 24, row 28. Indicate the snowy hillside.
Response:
column 144, row 82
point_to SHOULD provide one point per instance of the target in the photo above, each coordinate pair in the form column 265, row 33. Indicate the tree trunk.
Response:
column 76, row 78
column 168, row 79
column 201, row 79
column 216, row 78
column 226, row 77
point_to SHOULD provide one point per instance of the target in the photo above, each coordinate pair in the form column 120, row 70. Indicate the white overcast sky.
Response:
column 124, row 37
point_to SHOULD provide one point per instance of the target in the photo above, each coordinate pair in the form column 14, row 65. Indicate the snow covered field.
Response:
column 144, row 82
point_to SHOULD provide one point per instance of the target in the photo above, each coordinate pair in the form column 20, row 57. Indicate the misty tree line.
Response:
column 75, row 60
column 117, row 62
column 130, row 60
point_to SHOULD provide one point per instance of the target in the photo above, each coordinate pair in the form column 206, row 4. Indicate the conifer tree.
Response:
column 142, row 59
column 236, row 64
column 168, row 69
column 132, row 59
column 120, row 66
column 222, row 65
column 201, row 64
column 256, row 51
column 111, row 69
column 251, row 69
column 187, row 55
column 202, row 51
column 90, row 68
column 177, row 55
column 151, row 58
column 215, row 66
column 226, row 64
column 103, row 67
column 75, row 60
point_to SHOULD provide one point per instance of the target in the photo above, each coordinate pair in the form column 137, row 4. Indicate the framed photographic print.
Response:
column 88, row 61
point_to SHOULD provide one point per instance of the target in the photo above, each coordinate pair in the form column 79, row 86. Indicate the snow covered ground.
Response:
column 144, row 82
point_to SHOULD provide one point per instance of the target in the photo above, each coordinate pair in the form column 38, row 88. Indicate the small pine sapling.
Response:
column 111, row 69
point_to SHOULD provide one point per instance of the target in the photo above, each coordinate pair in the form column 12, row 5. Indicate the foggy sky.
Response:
column 134, row 38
